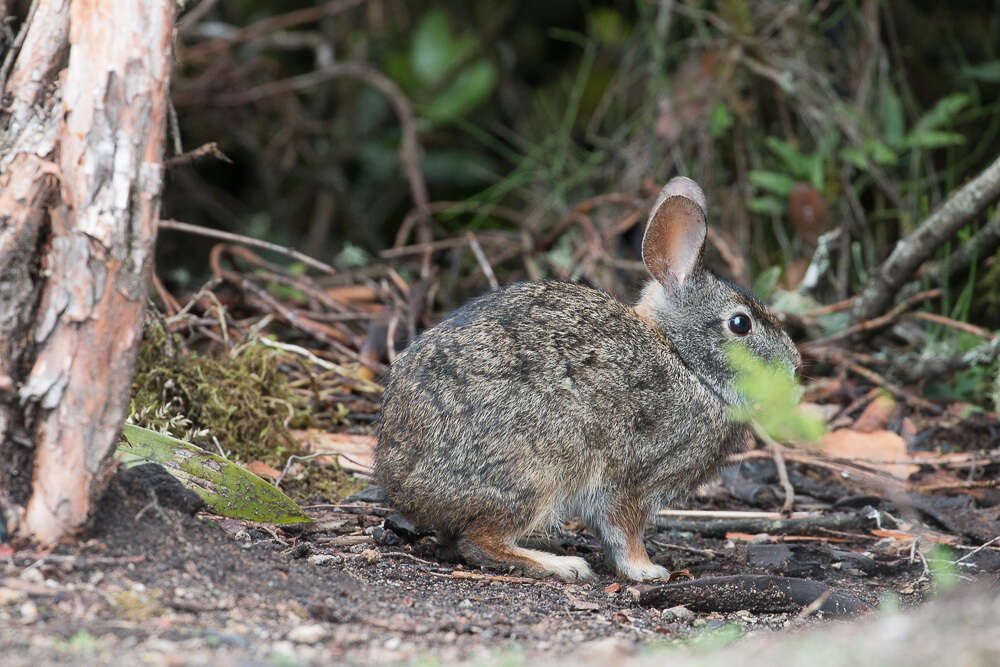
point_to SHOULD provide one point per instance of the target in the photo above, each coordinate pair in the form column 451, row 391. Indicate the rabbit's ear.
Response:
column 675, row 233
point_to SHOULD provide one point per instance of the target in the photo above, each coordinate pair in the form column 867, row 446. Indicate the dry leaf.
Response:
column 612, row 588
column 355, row 453
column 848, row 443
column 876, row 416
column 261, row 469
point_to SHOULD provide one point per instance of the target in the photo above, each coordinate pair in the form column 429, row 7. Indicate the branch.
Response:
column 911, row 251
column 976, row 249
column 409, row 150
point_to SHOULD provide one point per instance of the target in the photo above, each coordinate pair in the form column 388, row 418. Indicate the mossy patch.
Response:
column 236, row 402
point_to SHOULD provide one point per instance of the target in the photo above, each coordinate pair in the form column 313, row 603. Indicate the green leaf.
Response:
column 228, row 489
column 988, row 71
column 930, row 139
column 881, row 153
column 772, row 181
column 854, row 156
column 766, row 206
column 471, row 87
column 434, row 51
column 798, row 163
column 772, row 398
column 720, row 121
column 763, row 286
column 891, row 115
column 943, row 112
column 607, row 26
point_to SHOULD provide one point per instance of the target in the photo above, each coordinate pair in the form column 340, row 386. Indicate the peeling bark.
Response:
column 80, row 178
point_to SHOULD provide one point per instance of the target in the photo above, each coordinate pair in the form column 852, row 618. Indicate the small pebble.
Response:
column 308, row 634
column 680, row 612
column 324, row 559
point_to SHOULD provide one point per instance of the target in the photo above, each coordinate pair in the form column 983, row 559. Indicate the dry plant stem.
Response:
column 176, row 225
column 477, row 250
column 211, row 149
column 840, row 356
column 876, row 481
column 776, row 451
column 270, row 25
column 878, row 322
column 954, row 324
column 733, row 514
column 911, row 251
column 409, row 150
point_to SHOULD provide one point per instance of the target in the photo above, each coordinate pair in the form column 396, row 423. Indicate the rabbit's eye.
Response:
column 739, row 324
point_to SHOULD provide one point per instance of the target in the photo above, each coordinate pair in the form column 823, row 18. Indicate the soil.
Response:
column 159, row 583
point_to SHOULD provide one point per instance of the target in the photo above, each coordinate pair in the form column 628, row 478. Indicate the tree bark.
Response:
column 81, row 170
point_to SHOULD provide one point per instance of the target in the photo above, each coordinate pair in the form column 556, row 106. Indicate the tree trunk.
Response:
column 81, row 169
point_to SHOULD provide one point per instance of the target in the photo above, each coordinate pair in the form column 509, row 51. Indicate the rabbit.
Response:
column 545, row 399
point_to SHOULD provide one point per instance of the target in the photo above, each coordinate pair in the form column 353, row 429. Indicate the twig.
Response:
column 245, row 240
column 734, row 514
column 15, row 47
column 977, row 550
column 403, row 554
column 322, row 363
column 939, row 226
column 409, row 150
column 877, row 322
column 942, row 486
column 308, row 457
column 779, row 464
column 269, row 25
column 211, row 149
column 839, row 356
column 954, row 324
column 477, row 250
column 816, row 604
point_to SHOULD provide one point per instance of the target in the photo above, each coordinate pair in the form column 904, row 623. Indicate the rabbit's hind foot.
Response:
column 496, row 550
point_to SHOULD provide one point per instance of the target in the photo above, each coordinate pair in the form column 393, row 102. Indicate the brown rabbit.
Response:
column 547, row 399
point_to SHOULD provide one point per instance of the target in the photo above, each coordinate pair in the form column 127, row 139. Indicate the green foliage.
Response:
column 435, row 53
column 227, row 489
column 988, row 71
column 765, row 283
column 943, row 571
column 772, row 398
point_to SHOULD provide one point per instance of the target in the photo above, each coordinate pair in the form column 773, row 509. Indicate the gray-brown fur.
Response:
column 547, row 399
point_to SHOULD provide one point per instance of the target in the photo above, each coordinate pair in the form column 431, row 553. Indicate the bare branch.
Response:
column 911, row 251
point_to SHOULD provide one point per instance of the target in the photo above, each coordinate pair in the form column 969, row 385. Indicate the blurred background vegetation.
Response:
column 821, row 131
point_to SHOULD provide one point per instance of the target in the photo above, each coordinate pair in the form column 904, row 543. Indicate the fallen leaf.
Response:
column 228, row 489
column 876, row 416
column 848, row 443
column 355, row 453
column 680, row 574
column 261, row 469
column 612, row 588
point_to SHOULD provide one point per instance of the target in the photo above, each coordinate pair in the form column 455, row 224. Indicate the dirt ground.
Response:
column 160, row 584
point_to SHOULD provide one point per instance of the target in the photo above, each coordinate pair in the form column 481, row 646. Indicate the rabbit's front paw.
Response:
column 638, row 571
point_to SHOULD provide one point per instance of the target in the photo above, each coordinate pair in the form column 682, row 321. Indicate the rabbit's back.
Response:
column 532, row 395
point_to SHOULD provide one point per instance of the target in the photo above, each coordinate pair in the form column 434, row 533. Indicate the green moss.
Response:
column 234, row 402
